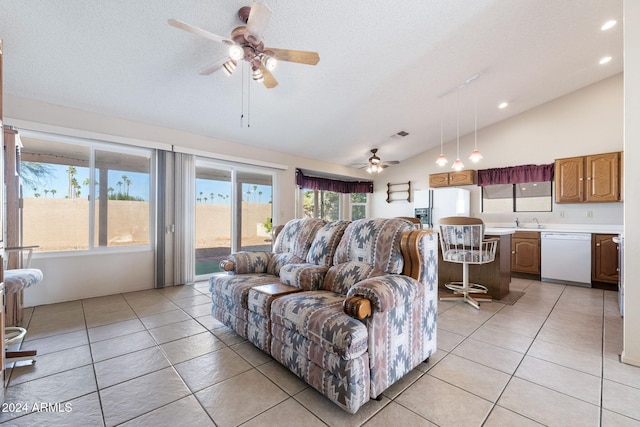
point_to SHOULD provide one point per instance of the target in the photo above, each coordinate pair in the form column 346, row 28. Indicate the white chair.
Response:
column 462, row 241
column 16, row 280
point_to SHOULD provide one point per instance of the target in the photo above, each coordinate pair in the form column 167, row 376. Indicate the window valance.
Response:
column 516, row 174
column 335, row 185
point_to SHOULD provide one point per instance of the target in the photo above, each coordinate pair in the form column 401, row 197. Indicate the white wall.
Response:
column 588, row 121
column 631, row 353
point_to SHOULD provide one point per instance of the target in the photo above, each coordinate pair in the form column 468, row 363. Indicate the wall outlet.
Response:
column 589, row 214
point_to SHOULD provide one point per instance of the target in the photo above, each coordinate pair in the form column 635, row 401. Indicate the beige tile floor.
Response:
column 157, row 357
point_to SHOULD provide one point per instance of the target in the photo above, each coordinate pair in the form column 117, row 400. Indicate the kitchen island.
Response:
column 496, row 276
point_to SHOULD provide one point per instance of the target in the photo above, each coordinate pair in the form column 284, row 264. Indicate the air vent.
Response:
column 399, row 135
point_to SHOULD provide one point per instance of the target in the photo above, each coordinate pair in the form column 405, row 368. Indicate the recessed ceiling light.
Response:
column 605, row 60
column 608, row 25
column 503, row 105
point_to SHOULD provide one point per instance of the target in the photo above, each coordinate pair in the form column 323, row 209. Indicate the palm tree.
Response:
column 211, row 194
column 46, row 192
column 259, row 196
column 255, row 192
column 119, row 184
column 72, row 171
column 53, row 192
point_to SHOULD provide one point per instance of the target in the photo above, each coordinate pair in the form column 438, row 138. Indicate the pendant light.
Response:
column 457, row 165
column 442, row 160
column 475, row 156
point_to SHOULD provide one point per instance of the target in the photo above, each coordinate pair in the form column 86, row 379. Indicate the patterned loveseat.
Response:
column 384, row 275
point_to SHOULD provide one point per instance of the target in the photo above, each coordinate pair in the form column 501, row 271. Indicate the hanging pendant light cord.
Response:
column 458, row 124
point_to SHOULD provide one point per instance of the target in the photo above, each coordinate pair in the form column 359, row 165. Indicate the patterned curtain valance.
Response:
column 516, row 174
column 326, row 184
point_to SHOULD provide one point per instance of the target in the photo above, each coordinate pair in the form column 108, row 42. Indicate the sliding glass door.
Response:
column 213, row 217
column 255, row 213
column 233, row 211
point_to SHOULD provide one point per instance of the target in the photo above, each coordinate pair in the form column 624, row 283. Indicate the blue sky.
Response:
column 58, row 180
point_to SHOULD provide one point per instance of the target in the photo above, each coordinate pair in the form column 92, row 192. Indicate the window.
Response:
column 358, row 203
column 61, row 176
column 321, row 204
column 529, row 197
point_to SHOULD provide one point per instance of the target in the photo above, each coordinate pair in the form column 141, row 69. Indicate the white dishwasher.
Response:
column 566, row 258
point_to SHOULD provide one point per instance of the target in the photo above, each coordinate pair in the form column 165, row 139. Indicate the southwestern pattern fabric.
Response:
column 375, row 242
column 348, row 360
column 319, row 317
column 340, row 278
column 250, row 262
column 304, row 276
column 325, row 242
column 21, row 278
column 297, row 235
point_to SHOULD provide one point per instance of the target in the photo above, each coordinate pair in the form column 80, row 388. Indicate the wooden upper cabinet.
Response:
column 439, row 179
column 449, row 179
column 569, row 176
column 465, row 177
column 594, row 178
column 603, row 178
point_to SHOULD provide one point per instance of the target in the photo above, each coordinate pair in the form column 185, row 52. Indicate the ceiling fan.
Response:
column 247, row 43
column 375, row 164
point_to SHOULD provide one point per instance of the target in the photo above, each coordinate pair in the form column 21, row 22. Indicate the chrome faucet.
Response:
column 517, row 223
column 536, row 220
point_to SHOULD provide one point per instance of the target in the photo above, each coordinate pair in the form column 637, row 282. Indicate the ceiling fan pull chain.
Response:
column 242, row 98
column 248, row 102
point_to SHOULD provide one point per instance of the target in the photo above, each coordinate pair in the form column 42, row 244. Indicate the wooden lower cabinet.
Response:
column 525, row 252
column 604, row 258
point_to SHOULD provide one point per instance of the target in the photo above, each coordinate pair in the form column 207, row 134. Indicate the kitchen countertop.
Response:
column 499, row 229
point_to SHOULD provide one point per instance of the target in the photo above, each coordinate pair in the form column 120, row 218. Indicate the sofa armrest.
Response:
column 247, row 262
column 357, row 307
column 386, row 292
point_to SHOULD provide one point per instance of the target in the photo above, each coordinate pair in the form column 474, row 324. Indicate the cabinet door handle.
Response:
column 597, row 244
column 513, row 252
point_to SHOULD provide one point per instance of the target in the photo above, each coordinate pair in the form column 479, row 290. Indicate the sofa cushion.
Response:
column 325, row 242
column 304, row 276
column 297, row 235
column 277, row 261
column 375, row 242
column 341, row 277
column 319, row 317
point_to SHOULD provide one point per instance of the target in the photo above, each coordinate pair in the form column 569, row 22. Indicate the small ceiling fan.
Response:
column 247, row 43
column 375, row 164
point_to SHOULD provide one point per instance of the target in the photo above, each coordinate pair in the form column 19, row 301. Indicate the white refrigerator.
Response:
column 441, row 203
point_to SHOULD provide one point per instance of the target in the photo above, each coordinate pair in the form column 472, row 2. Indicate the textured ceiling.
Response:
column 383, row 66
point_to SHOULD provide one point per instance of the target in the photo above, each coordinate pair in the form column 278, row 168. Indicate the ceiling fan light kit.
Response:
column 247, row 43
column 376, row 165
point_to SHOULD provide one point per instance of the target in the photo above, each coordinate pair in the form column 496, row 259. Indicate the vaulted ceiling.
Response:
column 385, row 66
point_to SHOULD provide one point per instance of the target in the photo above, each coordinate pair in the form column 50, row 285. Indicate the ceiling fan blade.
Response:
column 257, row 23
column 298, row 56
column 199, row 31
column 213, row 67
column 391, row 162
column 269, row 81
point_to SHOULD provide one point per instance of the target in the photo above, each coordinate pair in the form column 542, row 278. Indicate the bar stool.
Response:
column 16, row 280
column 462, row 241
